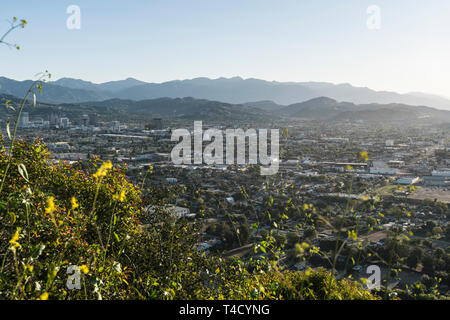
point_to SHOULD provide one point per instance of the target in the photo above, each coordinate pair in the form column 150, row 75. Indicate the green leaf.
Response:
column 8, row 131
column 8, row 106
column 23, row 171
column 13, row 217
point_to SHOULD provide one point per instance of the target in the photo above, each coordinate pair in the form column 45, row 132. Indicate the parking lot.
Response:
column 441, row 194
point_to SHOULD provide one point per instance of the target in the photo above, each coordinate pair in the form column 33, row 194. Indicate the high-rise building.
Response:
column 64, row 122
column 115, row 126
column 85, row 120
column 93, row 119
column 24, row 120
column 54, row 119
column 157, row 123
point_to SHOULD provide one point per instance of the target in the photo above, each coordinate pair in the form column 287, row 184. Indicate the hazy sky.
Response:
column 298, row 40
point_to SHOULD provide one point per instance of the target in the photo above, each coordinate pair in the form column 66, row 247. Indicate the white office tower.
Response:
column 65, row 123
column 85, row 120
column 115, row 126
column 24, row 120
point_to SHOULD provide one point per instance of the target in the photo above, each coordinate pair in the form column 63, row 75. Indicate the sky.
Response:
column 275, row 40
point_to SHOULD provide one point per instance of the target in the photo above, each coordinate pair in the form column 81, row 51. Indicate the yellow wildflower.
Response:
column 314, row 249
column 352, row 235
column 103, row 170
column 364, row 156
column 84, row 269
column 305, row 245
column 299, row 248
column 14, row 239
column 120, row 197
column 74, row 203
column 43, row 296
column 50, row 205
column 29, row 268
column 51, row 208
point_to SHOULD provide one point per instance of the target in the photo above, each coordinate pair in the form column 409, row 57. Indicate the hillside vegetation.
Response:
column 53, row 216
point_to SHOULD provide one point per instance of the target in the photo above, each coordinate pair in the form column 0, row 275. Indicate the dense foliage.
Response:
column 55, row 215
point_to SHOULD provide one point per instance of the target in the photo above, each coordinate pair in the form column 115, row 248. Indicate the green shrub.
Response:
column 53, row 215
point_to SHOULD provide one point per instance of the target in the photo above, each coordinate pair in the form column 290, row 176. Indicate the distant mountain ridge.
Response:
column 52, row 93
column 230, row 90
column 326, row 109
column 111, row 86
column 187, row 108
column 322, row 109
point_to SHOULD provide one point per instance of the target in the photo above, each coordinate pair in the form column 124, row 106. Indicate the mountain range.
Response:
column 317, row 109
column 185, row 108
column 267, row 94
column 326, row 109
